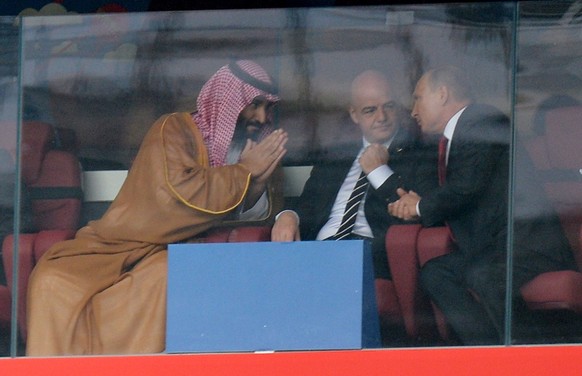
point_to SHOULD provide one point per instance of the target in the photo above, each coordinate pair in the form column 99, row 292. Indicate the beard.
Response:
column 246, row 129
column 243, row 131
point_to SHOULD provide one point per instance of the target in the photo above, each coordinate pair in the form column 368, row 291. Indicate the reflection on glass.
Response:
column 108, row 84
column 98, row 83
column 9, row 203
column 547, row 203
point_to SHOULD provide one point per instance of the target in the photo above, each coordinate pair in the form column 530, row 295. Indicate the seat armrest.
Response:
column 554, row 291
column 387, row 302
column 402, row 256
column 408, row 248
column 250, row 234
column 240, row 234
column 5, row 309
column 434, row 242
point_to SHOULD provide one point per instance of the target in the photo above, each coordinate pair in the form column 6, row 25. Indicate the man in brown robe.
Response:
column 104, row 292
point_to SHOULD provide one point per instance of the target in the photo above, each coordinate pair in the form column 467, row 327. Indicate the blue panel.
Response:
column 270, row 296
column 370, row 319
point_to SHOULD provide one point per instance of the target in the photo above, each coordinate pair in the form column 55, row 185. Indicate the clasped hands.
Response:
column 261, row 158
column 405, row 207
column 376, row 155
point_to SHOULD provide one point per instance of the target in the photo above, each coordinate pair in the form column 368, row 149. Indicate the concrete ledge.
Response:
column 103, row 186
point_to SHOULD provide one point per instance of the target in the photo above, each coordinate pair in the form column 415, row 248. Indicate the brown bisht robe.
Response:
column 104, row 292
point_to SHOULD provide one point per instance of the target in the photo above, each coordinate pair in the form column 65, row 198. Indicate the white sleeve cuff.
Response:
column 379, row 175
column 288, row 211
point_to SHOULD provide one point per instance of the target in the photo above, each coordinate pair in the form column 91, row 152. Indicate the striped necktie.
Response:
column 351, row 211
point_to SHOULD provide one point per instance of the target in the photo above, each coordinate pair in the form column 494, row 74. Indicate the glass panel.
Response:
column 547, row 198
column 8, row 174
column 101, row 82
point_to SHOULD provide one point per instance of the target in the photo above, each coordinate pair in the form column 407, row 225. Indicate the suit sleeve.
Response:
column 309, row 204
column 476, row 151
column 414, row 169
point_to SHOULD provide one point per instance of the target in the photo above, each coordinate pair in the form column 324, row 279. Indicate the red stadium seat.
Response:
column 558, row 157
column 53, row 178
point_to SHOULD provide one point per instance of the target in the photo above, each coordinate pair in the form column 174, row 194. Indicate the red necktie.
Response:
column 442, row 159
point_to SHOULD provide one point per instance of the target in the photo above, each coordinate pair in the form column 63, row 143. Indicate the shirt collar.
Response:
column 452, row 124
column 386, row 144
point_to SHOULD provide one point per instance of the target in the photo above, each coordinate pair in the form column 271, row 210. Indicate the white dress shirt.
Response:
column 376, row 178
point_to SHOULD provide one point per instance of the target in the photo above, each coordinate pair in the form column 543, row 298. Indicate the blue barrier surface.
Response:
column 232, row 297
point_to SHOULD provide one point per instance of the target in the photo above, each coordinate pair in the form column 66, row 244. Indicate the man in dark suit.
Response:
column 472, row 199
column 388, row 153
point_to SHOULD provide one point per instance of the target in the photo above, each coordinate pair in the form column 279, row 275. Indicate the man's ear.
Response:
column 443, row 94
column 352, row 112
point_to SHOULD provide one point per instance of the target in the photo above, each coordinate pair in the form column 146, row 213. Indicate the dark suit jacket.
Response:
column 474, row 200
column 408, row 158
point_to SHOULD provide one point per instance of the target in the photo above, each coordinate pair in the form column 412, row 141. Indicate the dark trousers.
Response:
column 454, row 284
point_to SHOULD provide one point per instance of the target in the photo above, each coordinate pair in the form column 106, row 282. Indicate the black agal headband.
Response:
column 245, row 77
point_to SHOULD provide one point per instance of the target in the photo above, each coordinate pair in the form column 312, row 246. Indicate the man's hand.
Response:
column 373, row 157
column 286, row 228
column 405, row 207
column 262, row 158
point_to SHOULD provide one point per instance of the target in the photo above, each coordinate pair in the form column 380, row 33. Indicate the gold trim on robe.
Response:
column 104, row 291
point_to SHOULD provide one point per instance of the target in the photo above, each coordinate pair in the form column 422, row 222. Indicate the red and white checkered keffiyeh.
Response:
column 220, row 102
